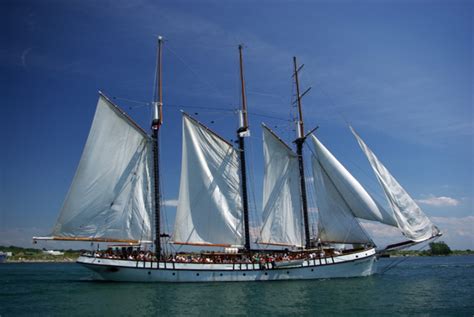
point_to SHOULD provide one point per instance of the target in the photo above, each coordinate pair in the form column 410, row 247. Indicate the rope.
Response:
column 395, row 263
column 141, row 103
column 268, row 116
column 343, row 117
column 254, row 219
column 163, row 207
column 198, row 76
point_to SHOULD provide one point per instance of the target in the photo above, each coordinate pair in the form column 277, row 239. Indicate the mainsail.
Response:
column 282, row 217
column 210, row 205
column 411, row 220
column 110, row 196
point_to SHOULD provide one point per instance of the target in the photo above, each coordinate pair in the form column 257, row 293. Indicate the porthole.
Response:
column 149, row 272
column 266, row 273
column 220, row 274
column 197, row 274
column 174, row 273
column 287, row 272
column 244, row 274
column 357, row 256
column 312, row 270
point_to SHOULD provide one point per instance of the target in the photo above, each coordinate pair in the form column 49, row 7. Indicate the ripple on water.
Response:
column 426, row 286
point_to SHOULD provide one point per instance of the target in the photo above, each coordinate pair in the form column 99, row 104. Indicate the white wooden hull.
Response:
column 350, row 265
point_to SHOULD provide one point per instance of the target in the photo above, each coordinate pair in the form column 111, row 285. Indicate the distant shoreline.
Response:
column 424, row 256
column 405, row 253
column 39, row 261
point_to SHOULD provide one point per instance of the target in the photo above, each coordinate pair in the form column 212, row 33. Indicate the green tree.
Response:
column 439, row 248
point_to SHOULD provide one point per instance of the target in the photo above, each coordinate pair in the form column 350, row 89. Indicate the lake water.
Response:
column 427, row 286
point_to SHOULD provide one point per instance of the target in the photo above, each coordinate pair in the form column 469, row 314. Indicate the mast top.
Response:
column 298, row 99
column 158, row 100
column 244, row 124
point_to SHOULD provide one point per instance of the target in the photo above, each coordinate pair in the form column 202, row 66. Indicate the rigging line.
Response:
column 227, row 110
column 364, row 231
column 200, row 44
column 163, row 210
column 264, row 94
column 155, row 79
column 373, row 192
column 292, row 109
column 395, row 263
column 268, row 116
column 253, row 215
column 373, row 182
column 346, row 121
column 201, row 107
column 331, row 101
column 312, row 196
column 219, row 118
column 194, row 72
column 163, row 206
column 142, row 103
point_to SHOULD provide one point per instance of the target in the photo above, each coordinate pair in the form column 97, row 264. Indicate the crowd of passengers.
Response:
column 261, row 258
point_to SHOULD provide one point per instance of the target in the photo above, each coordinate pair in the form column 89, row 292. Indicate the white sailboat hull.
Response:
column 356, row 264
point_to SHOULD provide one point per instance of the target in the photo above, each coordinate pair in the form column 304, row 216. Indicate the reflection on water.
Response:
column 432, row 286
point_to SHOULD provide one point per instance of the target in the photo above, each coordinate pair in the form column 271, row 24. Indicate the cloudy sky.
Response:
column 399, row 71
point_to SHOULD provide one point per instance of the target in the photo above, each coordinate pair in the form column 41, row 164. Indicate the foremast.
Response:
column 155, row 127
column 299, row 152
column 243, row 132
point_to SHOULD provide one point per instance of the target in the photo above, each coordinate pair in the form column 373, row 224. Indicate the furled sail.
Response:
column 355, row 196
column 336, row 222
column 209, row 206
column 411, row 220
column 110, row 196
column 282, row 216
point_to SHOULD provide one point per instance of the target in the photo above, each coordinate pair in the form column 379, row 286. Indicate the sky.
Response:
column 399, row 71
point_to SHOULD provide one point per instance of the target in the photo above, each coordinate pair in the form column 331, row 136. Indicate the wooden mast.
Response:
column 299, row 151
column 155, row 126
column 243, row 132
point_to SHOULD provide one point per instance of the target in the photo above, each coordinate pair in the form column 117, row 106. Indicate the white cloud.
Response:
column 440, row 201
column 458, row 233
column 170, row 202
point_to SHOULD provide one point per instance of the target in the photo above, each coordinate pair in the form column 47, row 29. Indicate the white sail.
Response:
column 209, row 205
column 355, row 196
column 110, row 196
column 336, row 222
column 282, row 216
column 411, row 220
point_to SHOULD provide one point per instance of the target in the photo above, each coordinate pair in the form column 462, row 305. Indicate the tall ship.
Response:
column 115, row 198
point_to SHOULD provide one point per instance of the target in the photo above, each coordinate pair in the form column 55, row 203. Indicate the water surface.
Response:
column 431, row 286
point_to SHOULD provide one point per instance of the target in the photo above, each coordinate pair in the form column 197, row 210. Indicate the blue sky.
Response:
column 399, row 71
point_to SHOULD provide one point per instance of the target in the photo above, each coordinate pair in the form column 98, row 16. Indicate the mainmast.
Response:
column 155, row 126
column 299, row 151
column 242, row 133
